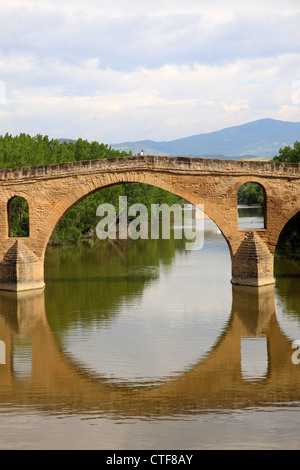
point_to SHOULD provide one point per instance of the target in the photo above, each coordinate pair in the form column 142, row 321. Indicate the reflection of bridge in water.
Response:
column 57, row 384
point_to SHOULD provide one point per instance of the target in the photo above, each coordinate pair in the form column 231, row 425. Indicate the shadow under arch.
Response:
column 281, row 231
column 289, row 237
column 214, row 382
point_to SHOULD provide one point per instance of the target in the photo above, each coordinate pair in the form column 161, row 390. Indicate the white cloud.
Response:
column 115, row 71
column 169, row 32
column 171, row 101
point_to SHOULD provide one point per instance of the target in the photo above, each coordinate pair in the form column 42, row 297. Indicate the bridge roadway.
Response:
column 51, row 190
column 58, row 385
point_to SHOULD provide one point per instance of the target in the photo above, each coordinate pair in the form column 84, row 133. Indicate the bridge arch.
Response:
column 72, row 199
column 262, row 186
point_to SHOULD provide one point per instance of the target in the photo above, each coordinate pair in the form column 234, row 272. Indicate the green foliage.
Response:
column 251, row 193
column 81, row 220
column 24, row 150
column 289, row 154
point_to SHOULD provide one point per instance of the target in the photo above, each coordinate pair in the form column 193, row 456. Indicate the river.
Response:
column 146, row 345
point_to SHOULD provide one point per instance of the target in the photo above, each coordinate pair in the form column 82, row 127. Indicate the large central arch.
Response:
column 72, row 199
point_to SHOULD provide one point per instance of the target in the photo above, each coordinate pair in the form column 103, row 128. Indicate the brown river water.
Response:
column 145, row 345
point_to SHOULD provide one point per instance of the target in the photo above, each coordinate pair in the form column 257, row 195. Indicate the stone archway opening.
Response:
column 251, row 202
column 80, row 220
column 18, row 217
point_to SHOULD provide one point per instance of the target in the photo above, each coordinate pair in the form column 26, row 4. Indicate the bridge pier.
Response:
column 20, row 268
column 252, row 262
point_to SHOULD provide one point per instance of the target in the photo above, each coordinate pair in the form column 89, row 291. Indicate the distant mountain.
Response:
column 61, row 141
column 261, row 138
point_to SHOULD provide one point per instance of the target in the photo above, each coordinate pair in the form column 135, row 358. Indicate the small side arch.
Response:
column 18, row 217
column 251, row 196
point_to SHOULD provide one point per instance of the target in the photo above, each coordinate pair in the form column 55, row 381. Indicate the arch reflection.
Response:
column 216, row 381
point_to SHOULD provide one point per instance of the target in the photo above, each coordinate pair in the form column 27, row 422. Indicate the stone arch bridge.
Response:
column 51, row 190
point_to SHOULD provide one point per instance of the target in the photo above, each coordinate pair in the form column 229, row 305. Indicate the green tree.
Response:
column 250, row 194
column 289, row 154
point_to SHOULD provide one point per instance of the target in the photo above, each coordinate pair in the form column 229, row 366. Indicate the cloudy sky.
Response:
column 127, row 70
